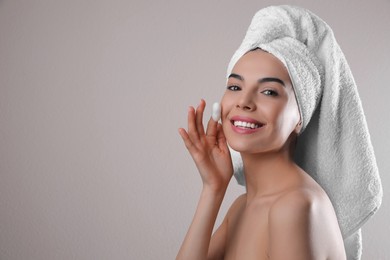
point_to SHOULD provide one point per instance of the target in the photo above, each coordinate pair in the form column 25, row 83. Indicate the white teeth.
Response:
column 245, row 124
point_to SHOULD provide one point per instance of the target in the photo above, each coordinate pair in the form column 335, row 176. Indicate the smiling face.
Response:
column 259, row 92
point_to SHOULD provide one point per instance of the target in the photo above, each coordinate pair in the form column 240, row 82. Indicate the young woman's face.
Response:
column 259, row 90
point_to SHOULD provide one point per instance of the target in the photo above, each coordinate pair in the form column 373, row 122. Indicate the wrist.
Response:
column 213, row 190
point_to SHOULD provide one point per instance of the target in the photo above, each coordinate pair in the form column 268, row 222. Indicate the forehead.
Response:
column 261, row 63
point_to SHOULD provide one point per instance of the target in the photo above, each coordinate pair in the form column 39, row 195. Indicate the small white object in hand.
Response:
column 216, row 115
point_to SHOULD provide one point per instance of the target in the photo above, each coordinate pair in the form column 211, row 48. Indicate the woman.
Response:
column 288, row 76
column 284, row 214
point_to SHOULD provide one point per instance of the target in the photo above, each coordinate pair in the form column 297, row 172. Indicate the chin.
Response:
column 251, row 147
column 243, row 147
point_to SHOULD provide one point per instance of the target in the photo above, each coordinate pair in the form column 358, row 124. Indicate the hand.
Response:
column 209, row 150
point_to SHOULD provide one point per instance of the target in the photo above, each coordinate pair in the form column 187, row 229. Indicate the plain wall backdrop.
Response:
column 92, row 94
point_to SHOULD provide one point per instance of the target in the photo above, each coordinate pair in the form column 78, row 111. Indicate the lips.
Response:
column 245, row 125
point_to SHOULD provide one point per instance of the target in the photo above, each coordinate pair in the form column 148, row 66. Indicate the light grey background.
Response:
column 92, row 94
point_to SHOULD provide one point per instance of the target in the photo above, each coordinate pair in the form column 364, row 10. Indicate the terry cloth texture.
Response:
column 334, row 144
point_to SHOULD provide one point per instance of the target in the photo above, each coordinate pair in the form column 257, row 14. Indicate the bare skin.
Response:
column 284, row 214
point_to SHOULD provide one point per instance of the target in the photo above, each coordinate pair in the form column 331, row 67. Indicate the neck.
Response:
column 269, row 172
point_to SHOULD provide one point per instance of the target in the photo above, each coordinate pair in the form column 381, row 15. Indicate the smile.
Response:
column 245, row 125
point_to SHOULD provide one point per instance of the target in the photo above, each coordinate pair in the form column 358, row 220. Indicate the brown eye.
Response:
column 233, row 88
column 271, row 92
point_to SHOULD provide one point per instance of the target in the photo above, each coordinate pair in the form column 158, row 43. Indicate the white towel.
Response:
column 334, row 144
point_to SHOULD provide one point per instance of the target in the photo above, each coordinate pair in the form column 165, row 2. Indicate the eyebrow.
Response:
column 262, row 80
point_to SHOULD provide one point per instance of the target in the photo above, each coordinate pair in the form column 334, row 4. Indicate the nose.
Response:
column 245, row 102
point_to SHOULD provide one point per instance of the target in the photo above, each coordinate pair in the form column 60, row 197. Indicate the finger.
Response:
column 221, row 139
column 199, row 117
column 187, row 141
column 192, row 130
column 211, row 132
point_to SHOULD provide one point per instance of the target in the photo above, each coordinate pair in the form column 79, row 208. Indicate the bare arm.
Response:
column 197, row 241
column 212, row 158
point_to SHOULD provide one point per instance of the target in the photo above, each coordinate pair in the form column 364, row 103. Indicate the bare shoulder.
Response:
column 302, row 220
column 307, row 199
column 236, row 206
column 293, row 211
column 302, row 200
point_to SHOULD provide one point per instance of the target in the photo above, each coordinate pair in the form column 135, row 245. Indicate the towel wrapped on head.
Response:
column 334, row 144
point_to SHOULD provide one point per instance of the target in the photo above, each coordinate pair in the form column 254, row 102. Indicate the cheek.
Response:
column 293, row 105
column 278, row 115
column 273, row 112
column 226, row 106
column 287, row 119
column 293, row 110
